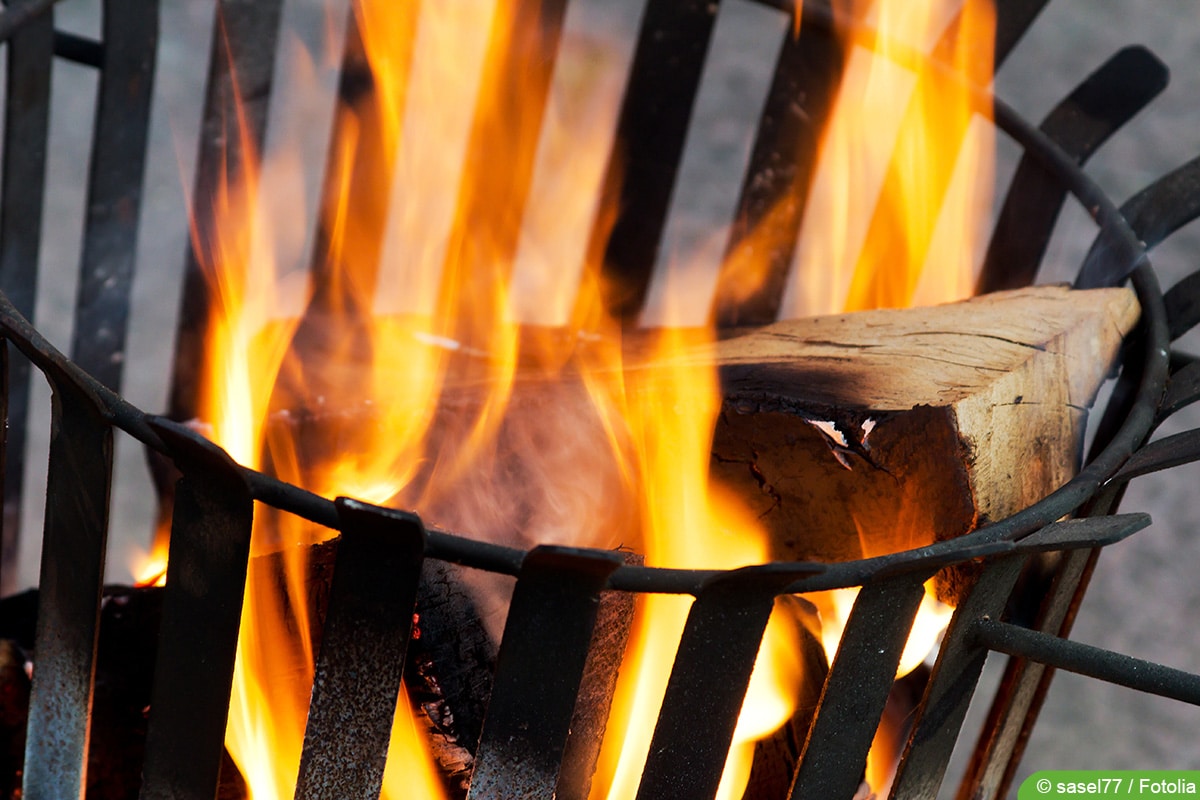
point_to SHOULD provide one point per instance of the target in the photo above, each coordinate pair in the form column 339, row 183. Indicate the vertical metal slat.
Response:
column 241, row 70
column 1082, row 122
column 952, row 684
column 202, row 609
column 367, row 628
column 538, row 672
column 807, row 75
column 26, row 126
column 72, row 574
column 857, row 688
column 117, row 166
column 708, row 681
column 653, row 123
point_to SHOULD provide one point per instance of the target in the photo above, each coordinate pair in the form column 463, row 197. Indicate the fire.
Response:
column 901, row 197
column 150, row 568
column 452, row 262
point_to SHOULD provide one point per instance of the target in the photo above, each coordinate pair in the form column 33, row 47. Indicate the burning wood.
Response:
column 862, row 434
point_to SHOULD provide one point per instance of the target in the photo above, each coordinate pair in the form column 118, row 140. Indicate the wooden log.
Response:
column 861, row 434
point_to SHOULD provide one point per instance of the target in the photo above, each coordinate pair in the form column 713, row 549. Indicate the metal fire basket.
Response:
column 553, row 609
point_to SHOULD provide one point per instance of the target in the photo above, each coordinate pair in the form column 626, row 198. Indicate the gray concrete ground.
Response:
column 1143, row 594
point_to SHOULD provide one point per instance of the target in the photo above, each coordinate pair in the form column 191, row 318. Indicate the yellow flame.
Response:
column 457, row 210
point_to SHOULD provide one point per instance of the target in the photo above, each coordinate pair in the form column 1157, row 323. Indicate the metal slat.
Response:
column 1182, row 302
column 367, row 628
column 961, row 656
column 353, row 197
column 1154, row 213
column 807, row 75
column 708, row 681
column 202, row 609
column 117, row 166
column 1092, row 662
column 72, row 575
column 959, row 664
column 538, row 672
column 1017, row 699
column 653, row 123
column 241, row 71
column 856, row 690
column 494, row 190
column 26, row 126
column 1105, row 101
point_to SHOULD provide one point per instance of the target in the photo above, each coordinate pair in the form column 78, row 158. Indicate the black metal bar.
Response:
column 353, row 196
column 708, row 682
column 17, row 15
column 538, row 671
column 1170, row 451
column 116, row 170
column 859, row 680
column 1093, row 662
column 1154, row 213
column 72, row 575
column 1182, row 302
column 808, row 72
column 26, row 127
column 81, row 49
column 366, row 633
column 1015, row 704
column 1183, row 389
column 1105, row 101
column 241, row 71
column 202, row 609
column 663, row 82
column 960, row 662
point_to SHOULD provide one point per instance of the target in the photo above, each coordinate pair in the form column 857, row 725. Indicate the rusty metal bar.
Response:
column 72, row 575
column 202, row 608
column 709, row 680
column 366, row 633
column 538, row 671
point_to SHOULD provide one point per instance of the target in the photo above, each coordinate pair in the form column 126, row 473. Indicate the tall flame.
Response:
column 465, row 174
column 900, row 201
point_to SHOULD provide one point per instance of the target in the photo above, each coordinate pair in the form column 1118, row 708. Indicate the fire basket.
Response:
column 532, row 741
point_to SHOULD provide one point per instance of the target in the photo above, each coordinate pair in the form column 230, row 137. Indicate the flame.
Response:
column 452, row 252
column 149, row 568
column 686, row 523
column 901, row 198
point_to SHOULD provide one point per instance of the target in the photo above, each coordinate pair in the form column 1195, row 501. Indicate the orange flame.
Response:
column 901, row 197
column 463, row 189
